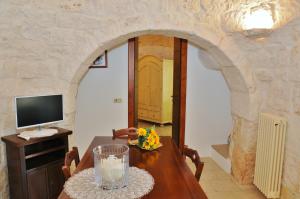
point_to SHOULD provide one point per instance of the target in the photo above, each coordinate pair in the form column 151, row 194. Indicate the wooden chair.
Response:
column 70, row 156
column 194, row 156
column 130, row 133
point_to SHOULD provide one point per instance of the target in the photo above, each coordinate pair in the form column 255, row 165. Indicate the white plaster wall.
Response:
column 208, row 117
column 96, row 113
column 208, row 102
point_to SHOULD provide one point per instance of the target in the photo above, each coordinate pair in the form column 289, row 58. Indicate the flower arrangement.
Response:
column 148, row 138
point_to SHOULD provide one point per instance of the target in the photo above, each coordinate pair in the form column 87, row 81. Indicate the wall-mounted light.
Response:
column 258, row 22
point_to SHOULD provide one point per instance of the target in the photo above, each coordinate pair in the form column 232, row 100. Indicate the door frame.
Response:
column 179, row 88
column 179, row 91
column 132, row 81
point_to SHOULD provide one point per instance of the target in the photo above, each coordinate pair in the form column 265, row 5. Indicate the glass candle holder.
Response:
column 111, row 164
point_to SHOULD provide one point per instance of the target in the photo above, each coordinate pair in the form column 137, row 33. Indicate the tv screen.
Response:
column 38, row 110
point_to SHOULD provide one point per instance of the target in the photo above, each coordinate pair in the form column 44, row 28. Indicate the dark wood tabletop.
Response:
column 173, row 178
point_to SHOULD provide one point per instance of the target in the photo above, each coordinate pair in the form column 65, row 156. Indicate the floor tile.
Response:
column 217, row 184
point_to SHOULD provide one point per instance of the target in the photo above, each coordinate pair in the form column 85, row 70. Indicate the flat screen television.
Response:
column 38, row 110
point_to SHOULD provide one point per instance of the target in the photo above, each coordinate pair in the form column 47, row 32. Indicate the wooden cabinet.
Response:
column 34, row 166
column 155, row 89
column 37, row 183
column 55, row 179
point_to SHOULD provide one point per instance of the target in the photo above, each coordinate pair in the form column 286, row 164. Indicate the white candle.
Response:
column 111, row 169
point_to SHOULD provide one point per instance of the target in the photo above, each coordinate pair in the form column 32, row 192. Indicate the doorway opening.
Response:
column 178, row 96
column 234, row 69
column 155, row 82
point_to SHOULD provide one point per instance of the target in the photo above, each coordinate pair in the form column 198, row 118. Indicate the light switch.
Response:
column 118, row 100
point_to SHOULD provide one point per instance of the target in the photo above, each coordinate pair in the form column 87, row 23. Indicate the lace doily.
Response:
column 83, row 186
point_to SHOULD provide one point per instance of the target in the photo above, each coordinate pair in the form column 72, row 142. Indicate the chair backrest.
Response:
column 194, row 156
column 70, row 156
column 130, row 133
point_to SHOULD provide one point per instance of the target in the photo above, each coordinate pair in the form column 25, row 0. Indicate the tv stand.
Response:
column 34, row 166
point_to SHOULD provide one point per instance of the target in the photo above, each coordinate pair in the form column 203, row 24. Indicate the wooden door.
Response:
column 179, row 91
column 150, row 83
column 56, row 179
column 143, row 85
column 167, row 90
column 155, row 85
column 179, row 87
column 37, row 183
column 150, row 88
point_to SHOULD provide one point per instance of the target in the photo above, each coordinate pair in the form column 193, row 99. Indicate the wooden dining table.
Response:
column 172, row 176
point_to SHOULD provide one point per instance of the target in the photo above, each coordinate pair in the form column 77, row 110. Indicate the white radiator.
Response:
column 269, row 154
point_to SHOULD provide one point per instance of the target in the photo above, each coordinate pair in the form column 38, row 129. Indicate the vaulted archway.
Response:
column 48, row 46
column 238, row 76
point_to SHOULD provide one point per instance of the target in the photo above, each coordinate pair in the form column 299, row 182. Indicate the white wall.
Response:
column 96, row 113
column 208, row 119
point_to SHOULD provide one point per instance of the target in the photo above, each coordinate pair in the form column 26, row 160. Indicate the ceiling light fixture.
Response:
column 258, row 23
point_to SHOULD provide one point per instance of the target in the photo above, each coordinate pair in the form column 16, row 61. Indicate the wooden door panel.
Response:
column 37, row 184
column 155, row 85
column 55, row 179
column 167, row 90
column 143, row 85
column 149, row 85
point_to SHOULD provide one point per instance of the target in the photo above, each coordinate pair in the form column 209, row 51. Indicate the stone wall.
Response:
column 47, row 46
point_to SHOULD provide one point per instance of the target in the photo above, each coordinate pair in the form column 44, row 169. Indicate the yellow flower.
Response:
column 150, row 140
column 146, row 145
column 155, row 136
column 157, row 140
column 141, row 132
column 153, row 132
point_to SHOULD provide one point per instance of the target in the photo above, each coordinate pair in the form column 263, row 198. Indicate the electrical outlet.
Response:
column 118, row 100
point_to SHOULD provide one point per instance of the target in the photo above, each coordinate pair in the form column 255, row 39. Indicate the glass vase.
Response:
column 111, row 163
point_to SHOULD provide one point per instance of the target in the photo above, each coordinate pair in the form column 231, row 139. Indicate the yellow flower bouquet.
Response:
column 148, row 138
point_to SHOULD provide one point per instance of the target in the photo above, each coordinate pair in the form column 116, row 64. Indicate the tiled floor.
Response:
column 219, row 185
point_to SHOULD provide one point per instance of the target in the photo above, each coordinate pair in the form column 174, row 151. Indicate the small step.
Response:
column 220, row 154
column 222, row 149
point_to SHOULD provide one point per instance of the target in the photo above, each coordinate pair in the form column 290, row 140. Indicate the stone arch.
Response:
column 237, row 73
column 231, row 63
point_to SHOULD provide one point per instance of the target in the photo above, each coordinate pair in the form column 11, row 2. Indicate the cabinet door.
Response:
column 143, row 86
column 149, row 85
column 55, row 179
column 37, row 184
column 155, row 94
column 167, row 90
